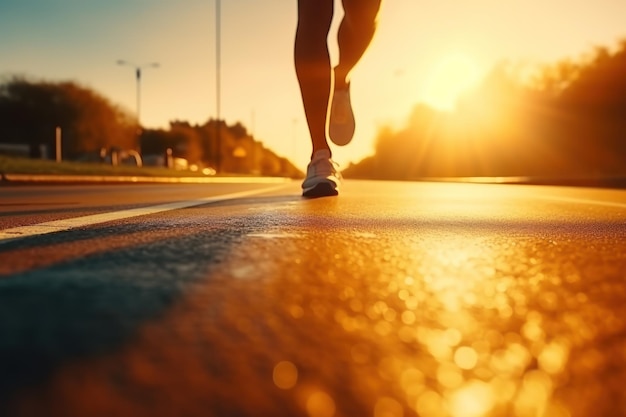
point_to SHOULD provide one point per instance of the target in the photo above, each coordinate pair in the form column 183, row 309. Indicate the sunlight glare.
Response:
column 451, row 77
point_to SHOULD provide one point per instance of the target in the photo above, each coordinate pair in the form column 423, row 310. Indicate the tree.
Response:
column 31, row 110
column 569, row 121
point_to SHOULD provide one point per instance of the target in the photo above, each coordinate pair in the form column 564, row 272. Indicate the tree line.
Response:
column 567, row 120
column 31, row 110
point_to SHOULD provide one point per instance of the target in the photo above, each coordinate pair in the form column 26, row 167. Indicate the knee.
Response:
column 314, row 19
column 361, row 13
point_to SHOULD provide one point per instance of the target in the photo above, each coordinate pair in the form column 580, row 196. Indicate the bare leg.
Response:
column 312, row 61
column 355, row 34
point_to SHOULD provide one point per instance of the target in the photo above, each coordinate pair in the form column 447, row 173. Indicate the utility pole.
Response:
column 218, row 82
column 57, row 144
column 138, row 69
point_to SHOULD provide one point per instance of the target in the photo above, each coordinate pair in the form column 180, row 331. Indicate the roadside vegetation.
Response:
column 567, row 119
column 93, row 129
column 29, row 166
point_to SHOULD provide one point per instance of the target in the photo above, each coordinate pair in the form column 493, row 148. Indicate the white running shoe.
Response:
column 322, row 176
column 341, row 126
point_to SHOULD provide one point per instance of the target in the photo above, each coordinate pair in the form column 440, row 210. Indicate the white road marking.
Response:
column 135, row 179
column 585, row 201
column 67, row 224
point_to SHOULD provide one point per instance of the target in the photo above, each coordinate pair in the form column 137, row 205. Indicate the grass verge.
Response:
column 15, row 165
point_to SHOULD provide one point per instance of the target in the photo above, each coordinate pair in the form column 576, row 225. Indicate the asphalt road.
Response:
column 391, row 300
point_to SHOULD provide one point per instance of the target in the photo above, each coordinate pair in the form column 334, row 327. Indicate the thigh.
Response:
column 318, row 13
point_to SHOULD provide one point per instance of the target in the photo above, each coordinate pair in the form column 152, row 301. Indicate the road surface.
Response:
column 391, row 300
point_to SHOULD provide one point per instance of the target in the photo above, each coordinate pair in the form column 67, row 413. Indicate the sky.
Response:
column 424, row 51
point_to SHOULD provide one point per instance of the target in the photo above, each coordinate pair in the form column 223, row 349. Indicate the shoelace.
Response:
column 326, row 167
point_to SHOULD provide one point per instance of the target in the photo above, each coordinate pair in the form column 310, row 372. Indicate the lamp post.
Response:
column 218, row 82
column 138, row 69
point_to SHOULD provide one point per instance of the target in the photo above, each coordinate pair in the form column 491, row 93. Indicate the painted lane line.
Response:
column 71, row 223
column 136, row 179
column 586, row 201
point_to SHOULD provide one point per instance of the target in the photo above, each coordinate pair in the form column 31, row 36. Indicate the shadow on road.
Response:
column 94, row 304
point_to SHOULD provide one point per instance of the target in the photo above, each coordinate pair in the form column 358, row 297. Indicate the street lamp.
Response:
column 138, row 69
column 218, row 82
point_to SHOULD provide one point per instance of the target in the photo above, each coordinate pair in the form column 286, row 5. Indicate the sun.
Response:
column 450, row 77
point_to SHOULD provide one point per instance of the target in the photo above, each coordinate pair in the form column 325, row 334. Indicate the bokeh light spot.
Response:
column 296, row 311
column 553, row 357
column 449, row 375
column 320, row 404
column 474, row 399
column 465, row 357
column 453, row 337
column 412, row 379
column 408, row 317
column 285, row 375
column 430, row 404
column 360, row 353
column 388, row 407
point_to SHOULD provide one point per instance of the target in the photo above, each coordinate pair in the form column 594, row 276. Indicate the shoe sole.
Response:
column 340, row 138
column 322, row 189
column 342, row 133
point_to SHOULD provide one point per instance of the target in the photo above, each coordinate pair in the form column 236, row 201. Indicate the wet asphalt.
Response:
column 391, row 300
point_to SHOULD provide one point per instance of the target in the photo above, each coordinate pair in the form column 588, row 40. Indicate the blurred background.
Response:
column 448, row 88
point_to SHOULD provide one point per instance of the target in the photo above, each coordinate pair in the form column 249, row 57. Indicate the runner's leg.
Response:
column 313, row 68
column 355, row 34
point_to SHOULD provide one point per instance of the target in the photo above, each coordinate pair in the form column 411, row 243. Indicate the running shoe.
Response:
column 322, row 176
column 341, row 126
